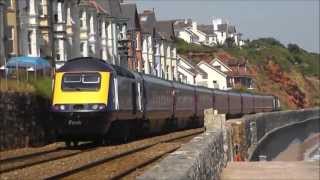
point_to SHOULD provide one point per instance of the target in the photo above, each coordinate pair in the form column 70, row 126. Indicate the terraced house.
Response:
column 58, row 30
column 158, row 47
column 167, row 49
column 12, row 30
column 130, row 12
column 3, row 26
column 90, row 28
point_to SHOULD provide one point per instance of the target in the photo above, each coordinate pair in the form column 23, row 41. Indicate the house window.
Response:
column 41, row 13
column 29, row 41
column 82, row 19
column 10, row 4
column 41, row 8
column 100, row 29
column 204, row 76
column 217, row 67
column 101, row 53
column 81, row 47
column 60, row 10
column 55, row 18
column 10, row 39
column 167, row 71
column 91, row 49
column 58, row 57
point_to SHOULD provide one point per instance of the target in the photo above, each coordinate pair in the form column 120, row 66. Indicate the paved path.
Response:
column 272, row 170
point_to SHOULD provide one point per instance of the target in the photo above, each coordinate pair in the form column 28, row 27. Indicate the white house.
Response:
column 188, row 36
column 224, row 30
column 218, row 64
column 186, row 71
column 236, row 70
column 202, row 34
column 210, row 35
column 214, row 78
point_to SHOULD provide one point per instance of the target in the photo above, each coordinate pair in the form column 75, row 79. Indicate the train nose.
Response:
column 79, row 108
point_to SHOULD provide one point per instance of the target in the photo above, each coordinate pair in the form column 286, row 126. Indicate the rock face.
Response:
column 294, row 93
column 23, row 120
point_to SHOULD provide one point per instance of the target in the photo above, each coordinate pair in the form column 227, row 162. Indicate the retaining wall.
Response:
column 23, row 119
column 250, row 131
column 206, row 155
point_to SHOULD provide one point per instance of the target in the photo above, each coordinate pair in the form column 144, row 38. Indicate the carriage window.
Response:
column 81, row 82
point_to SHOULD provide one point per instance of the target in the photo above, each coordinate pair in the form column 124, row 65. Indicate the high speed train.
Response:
column 94, row 100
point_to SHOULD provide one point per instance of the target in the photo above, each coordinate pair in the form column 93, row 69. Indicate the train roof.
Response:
column 86, row 64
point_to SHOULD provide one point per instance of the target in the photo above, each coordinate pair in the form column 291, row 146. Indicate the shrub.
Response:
column 43, row 87
column 293, row 48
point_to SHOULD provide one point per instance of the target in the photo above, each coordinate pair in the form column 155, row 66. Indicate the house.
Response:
column 187, row 70
column 166, row 63
column 3, row 25
column 206, row 38
column 12, row 41
column 214, row 78
column 61, row 30
column 224, row 30
column 129, row 11
column 148, row 25
column 45, row 29
column 89, row 28
column 236, row 70
column 29, row 31
column 182, row 31
column 210, row 35
column 192, row 33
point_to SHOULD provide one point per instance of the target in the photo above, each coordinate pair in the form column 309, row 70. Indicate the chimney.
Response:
column 194, row 26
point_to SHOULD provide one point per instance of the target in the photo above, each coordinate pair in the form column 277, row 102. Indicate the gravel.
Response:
column 48, row 169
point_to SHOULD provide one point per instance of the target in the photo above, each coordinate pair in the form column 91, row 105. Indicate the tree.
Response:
column 293, row 48
column 229, row 42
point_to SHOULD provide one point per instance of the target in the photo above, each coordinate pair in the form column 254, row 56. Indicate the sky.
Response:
column 290, row 21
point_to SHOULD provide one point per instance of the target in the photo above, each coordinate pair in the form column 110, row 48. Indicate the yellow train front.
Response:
column 81, row 99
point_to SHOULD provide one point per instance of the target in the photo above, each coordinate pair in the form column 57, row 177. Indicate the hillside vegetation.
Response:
column 289, row 72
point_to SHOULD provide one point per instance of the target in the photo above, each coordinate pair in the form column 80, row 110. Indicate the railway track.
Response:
column 110, row 162
column 30, row 159
column 116, row 166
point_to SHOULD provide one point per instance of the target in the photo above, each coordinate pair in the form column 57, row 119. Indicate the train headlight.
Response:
column 102, row 106
column 62, row 107
column 56, row 107
column 95, row 106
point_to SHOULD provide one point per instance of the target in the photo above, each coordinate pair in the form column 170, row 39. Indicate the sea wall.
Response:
column 205, row 156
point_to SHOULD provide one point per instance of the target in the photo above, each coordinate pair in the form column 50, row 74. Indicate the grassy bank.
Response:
column 41, row 87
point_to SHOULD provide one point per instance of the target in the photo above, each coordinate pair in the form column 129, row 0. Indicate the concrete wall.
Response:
column 23, row 119
column 276, row 144
column 250, row 131
column 206, row 155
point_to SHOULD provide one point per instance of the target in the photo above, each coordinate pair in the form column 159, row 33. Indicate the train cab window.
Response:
column 81, row 82
column 90, row 79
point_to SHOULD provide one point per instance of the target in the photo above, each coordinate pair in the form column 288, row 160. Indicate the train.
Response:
column 94, row 101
